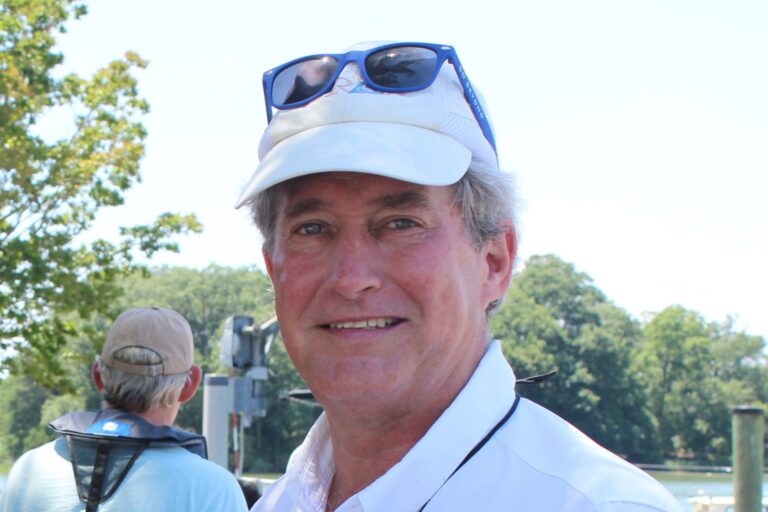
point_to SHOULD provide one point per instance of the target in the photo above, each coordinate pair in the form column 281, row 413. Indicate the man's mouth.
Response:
column 370, row 323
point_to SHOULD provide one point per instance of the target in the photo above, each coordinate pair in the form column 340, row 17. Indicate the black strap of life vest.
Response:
column 97, row 478
column 95, row 497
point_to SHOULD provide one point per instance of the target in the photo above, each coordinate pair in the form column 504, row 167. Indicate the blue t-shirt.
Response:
column 168, row 479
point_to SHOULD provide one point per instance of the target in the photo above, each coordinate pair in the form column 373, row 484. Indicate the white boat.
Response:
column 718, row 504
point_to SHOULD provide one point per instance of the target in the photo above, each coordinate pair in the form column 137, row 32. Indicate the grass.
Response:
column 264, row 476
column 672, row 476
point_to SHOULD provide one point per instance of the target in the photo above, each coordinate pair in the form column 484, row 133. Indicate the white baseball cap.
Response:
column 428, row 137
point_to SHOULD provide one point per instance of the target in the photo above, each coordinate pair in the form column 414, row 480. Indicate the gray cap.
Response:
column 164, row 331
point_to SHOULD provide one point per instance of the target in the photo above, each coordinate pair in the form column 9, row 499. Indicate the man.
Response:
column 128, row 456
column 390, row 239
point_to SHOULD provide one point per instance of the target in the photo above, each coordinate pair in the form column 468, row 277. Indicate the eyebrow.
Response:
column 398, row 201
column 305, row 206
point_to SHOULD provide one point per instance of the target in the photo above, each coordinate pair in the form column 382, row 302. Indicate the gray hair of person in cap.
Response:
column 484, row 193
column 146, row 361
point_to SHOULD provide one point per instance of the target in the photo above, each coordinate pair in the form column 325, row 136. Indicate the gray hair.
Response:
column 139, row 393
column 486, row 198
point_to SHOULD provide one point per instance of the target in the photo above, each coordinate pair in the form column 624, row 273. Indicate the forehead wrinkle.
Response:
column 404, row 200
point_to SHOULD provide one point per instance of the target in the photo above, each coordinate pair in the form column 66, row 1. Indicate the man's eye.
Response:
column 310, row 228
column 401, row 224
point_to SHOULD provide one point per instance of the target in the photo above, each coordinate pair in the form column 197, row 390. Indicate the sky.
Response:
column 637, row 130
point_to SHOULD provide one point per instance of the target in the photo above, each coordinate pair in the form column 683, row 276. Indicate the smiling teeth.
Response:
column 374, row 323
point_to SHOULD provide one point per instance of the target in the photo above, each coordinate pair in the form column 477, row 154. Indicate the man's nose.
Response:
column 353, row 269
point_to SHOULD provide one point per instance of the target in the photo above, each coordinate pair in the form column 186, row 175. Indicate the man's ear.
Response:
column 96, row 376
column 500, row 259
column 192, row 384
column 267, row 259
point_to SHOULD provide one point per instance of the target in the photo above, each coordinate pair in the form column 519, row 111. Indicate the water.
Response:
column 685, row 485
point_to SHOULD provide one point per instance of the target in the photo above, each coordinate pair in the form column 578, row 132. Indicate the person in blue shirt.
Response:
column 128, row 456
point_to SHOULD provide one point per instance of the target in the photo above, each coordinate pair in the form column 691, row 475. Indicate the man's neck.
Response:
column 363, row 455
column 370, row 437
column 365, row 450
column 162, row 416
column 158, row 416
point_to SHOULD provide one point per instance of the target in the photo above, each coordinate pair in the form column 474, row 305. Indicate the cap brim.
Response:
column 403, row 152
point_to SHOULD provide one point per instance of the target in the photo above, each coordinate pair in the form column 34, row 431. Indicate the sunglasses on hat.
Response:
column 397, row 67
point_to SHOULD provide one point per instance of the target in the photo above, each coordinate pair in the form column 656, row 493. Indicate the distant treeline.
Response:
column 649, row 391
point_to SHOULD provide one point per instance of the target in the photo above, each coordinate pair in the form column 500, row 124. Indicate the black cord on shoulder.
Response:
column 535, row 379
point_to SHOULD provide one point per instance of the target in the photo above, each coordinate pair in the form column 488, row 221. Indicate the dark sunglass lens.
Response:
column 302, row 80
column 401, row 67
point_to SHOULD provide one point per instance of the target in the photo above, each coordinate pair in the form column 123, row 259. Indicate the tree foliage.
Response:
column 665, row 389
column 21, row 401
column 695, row 373
column 51, row 190
column 205, row 296
column 555, row 318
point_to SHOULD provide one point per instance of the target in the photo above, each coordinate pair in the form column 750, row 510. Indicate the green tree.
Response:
column 675, row 354
column 741, row 357
column 695, row 373
column 206, row 297
column 51, row 190
column 21, row 400
column 555, row 318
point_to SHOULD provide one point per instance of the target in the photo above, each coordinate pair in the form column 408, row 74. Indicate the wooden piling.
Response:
column 748, row 427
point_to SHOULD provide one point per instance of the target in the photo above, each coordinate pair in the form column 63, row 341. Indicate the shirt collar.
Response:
column 485, row 399
column 310, row 468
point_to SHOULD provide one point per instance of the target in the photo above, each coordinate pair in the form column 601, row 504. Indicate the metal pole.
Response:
column 748, row 426
column 217, row 404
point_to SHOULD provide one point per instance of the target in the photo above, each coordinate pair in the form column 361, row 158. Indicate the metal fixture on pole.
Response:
column 245, row 349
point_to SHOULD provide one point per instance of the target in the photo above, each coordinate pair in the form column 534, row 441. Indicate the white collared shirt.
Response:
column 535, row 462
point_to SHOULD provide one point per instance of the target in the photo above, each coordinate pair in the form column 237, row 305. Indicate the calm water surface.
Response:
column 685, row 485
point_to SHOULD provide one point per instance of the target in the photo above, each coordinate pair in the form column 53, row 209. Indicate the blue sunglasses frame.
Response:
column 443, row 53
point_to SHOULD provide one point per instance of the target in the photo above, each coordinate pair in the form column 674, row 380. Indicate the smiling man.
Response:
column 390, row 240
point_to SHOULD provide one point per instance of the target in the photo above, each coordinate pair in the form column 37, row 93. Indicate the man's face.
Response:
column 380, row 295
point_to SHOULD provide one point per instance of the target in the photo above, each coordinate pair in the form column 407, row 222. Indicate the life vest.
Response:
column 104, row 445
